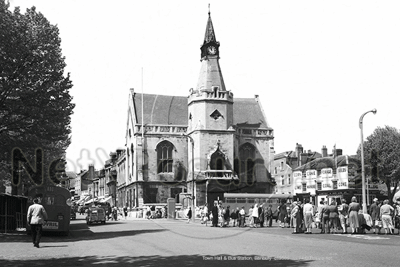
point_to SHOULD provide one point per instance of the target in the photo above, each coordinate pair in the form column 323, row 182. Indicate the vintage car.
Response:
column 95, row 215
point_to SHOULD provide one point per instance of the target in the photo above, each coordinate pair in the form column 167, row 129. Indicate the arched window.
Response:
column 217, row 162
column 164, row 157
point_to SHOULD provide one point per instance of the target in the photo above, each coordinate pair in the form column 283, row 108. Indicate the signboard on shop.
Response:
column 342, row 175
column 326, row 177
column 297, row 179
column 311, row 176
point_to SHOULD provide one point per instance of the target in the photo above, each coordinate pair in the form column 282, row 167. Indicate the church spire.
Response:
column 210, row 73
column 210, row 45
column 210, row 34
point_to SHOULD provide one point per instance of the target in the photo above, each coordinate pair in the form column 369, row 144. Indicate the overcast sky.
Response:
column 316, row 65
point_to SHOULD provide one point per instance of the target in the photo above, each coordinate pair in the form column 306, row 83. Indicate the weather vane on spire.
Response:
column 209, row 12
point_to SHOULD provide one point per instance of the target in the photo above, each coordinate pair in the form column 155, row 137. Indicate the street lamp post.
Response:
column 364, row 201
column 193, row 198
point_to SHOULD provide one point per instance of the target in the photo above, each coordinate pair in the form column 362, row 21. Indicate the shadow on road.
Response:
column 77, row 234
column 183, row 260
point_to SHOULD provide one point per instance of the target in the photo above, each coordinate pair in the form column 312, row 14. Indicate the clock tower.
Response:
column 210, row 104
column 210, row 123
column 210, row 47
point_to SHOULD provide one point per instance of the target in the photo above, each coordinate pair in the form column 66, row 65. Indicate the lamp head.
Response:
column 374, row 111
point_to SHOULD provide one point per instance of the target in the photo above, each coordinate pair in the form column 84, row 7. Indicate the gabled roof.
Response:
column 173, row 110
column 247, row 111
column 283, row 154
column 328, row 162
column 161, row 109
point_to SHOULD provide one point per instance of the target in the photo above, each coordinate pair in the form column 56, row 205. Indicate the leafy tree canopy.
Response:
column 382, row 154
column 35, row 100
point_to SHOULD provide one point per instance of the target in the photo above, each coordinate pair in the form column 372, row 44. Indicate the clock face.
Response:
column 212, row 50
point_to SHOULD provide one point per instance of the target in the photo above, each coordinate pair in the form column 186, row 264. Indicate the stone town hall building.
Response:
column 228, row 140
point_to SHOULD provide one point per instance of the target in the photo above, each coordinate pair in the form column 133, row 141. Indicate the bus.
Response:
column 247, row 200
column 57, row 202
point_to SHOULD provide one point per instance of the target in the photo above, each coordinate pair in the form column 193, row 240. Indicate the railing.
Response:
column 219, row 174
column 211, row 94
column 161, row 129
column 255, row 132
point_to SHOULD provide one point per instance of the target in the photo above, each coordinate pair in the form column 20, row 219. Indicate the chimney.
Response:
column 299, row 149
column 91, row 171
column 324, row 151
column 303, row 158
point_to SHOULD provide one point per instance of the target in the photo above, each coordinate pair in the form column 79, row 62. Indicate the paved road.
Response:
column 162, row 242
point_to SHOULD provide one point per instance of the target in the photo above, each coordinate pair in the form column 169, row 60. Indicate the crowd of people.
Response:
column 343, row 217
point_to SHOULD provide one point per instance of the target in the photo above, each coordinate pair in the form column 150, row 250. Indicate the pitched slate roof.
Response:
column 248, row 111
column 161, row 109
column 173, row 110
column 283, row 154
column 328, row 162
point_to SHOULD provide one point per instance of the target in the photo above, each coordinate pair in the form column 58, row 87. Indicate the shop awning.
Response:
column 107, row 199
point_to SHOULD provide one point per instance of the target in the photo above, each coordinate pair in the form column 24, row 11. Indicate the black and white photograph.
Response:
column 199, row 133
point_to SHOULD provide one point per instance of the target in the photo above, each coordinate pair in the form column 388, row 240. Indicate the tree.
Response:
column 35, row 102
column 382, row 154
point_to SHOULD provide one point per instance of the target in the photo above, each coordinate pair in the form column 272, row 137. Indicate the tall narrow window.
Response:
column 247, row 155
column 164, row 157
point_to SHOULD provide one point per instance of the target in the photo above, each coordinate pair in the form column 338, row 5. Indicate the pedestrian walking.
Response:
column 189, row 214
column 36, row 216
column 214, row 213
column 125, row 209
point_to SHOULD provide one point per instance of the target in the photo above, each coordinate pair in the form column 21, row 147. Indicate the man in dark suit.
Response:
column 215, row 215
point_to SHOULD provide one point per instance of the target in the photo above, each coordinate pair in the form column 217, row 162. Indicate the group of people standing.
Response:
column 338, row 218
column 303, row 217
column 221, row 216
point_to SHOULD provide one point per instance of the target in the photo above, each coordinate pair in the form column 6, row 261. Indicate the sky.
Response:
column 316, row 65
